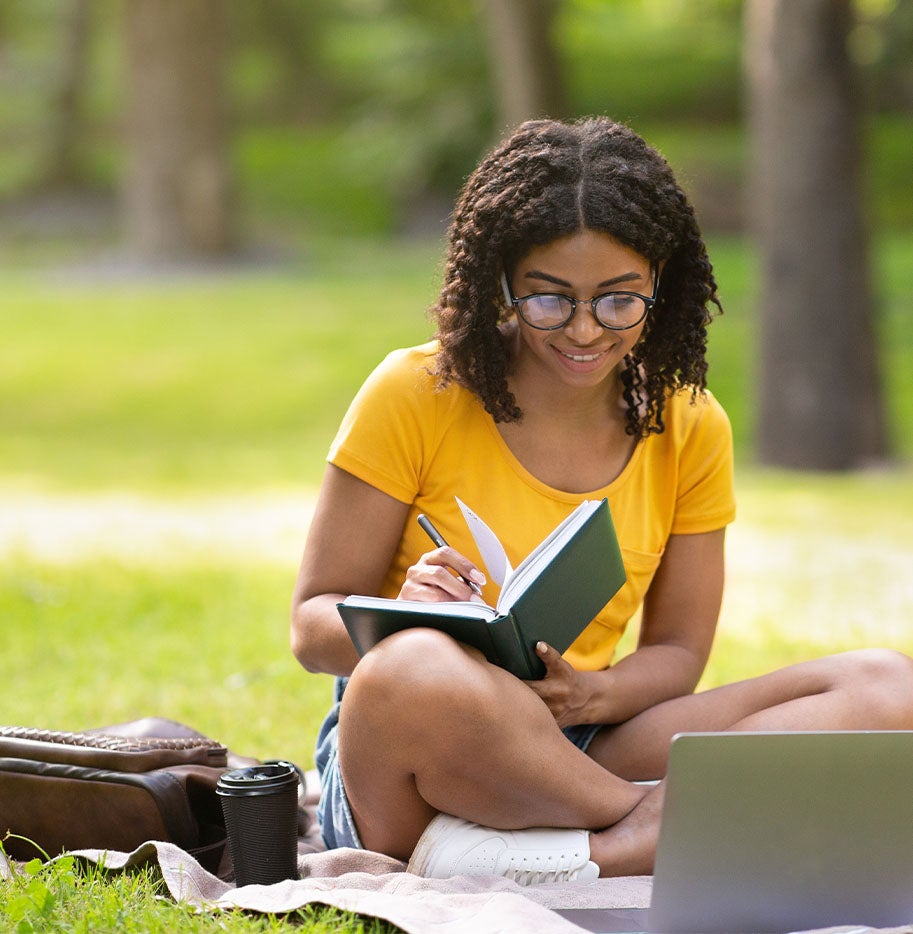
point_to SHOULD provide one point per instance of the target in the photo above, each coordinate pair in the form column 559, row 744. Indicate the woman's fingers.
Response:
column 437, row 576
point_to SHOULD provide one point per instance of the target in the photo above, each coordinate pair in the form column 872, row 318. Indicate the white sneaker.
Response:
column 451, row 846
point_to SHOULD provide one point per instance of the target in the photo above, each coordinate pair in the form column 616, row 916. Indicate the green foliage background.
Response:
column 364, row 116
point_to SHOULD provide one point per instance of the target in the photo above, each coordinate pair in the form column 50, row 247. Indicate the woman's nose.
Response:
column 583, row 328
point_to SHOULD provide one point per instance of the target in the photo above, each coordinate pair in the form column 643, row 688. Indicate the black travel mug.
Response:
column 260, row 805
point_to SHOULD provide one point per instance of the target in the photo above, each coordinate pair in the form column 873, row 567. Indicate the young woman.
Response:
column 569, row 364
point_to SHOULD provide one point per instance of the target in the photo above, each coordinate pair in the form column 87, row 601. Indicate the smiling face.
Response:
column 583, row 265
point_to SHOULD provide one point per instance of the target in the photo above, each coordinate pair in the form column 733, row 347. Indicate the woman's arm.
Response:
column 680, row 615
column 351, row 543
column 352, row 539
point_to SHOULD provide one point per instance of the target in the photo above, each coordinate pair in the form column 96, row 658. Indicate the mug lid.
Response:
column 256, row 779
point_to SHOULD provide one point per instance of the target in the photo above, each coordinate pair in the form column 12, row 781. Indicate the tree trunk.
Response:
column 820, row 394
column 177, row 200
column 295, row 34
column 63, row 165
column 527, row 74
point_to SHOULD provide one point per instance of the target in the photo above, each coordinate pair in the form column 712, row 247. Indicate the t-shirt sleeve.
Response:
column 706, row 497
column 380, row 439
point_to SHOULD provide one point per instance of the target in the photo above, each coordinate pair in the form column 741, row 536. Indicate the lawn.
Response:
column 160, row 447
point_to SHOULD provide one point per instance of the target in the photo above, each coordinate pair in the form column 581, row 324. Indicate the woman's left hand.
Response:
column 564, row 689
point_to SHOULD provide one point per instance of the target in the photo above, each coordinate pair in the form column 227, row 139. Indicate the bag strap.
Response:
column 108, row 751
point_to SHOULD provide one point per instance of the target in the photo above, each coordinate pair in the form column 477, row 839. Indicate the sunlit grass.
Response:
column 68, row 896
column 816, row 564
column 230, row 380
column 239, row 380
column 161, row 443
column 99, row 641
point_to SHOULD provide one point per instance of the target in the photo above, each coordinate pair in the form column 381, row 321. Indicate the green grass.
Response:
column 230, row 381
column 816, row 564
column 159, row 446
column 63, row 896
column 239, row 381
column 206, row 644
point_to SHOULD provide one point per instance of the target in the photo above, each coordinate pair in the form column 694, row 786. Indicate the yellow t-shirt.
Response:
column 423, row 446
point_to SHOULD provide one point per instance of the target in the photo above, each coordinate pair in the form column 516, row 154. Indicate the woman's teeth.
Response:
column 580, row 358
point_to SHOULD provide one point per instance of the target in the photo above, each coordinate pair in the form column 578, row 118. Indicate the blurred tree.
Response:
column 415, row 100
column 177, row 199
column 63, row 164
column 527, row 75
column 419, row 82
column 820, row 395
column 279, row 72
column 895, row 37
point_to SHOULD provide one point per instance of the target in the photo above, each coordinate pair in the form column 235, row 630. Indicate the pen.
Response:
column 438, row 540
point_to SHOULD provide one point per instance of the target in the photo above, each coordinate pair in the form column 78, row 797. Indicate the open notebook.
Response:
column 552, row 595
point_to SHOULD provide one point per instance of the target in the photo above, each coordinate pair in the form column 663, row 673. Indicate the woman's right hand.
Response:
column 432, row 579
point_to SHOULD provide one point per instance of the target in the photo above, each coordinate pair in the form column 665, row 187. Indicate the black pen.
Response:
column 438, row 540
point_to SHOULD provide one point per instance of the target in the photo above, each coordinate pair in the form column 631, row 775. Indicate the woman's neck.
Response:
column 570, row 438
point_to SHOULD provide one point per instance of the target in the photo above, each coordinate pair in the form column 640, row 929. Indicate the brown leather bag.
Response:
column 111, row 791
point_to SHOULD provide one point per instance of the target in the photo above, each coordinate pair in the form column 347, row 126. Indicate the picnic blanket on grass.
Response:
column 374, row 885
column 377, row 886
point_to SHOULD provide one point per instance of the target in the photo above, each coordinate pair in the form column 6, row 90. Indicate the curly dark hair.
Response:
column 548, row 180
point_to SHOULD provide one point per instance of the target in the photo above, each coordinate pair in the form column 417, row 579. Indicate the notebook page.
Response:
column 492, row 551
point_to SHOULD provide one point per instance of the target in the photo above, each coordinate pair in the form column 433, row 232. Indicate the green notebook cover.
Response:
column 554, row 606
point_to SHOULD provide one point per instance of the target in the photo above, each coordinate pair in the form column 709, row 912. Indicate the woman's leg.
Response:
column 871, row 689
column 427, row 726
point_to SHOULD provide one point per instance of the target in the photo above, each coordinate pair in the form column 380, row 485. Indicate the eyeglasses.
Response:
column 548, row 311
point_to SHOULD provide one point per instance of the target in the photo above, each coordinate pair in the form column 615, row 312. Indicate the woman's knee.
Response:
column 881, row 666
column 885, row 677
column 410, row 670
column 420, row 697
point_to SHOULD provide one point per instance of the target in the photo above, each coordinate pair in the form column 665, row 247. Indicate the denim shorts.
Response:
column 333, row 812
column 337, row 826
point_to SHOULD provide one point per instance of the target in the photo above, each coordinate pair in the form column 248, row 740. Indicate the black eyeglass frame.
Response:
column 648, row 300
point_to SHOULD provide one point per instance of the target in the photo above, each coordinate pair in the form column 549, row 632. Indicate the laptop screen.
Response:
column 775, row 832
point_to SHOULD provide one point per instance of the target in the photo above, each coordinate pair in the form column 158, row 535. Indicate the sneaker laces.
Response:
column 563, row 868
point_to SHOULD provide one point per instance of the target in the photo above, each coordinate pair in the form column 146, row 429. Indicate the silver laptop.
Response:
column 779, row 832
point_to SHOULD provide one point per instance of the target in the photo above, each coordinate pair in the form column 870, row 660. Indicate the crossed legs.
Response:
column 427, row 725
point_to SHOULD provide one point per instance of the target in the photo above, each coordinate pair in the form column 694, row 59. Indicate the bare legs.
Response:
column 870, row 689
column 428, row 726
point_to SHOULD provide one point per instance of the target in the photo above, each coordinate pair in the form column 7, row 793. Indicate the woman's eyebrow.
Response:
column 545, row 277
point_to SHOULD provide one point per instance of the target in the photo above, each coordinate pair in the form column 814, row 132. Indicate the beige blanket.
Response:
column 377, row 886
